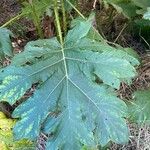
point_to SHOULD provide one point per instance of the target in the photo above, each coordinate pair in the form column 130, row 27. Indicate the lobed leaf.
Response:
column 68, row 104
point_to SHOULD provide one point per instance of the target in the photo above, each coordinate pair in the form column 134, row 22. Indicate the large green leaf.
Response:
column 5, row 43
column 68, row 104
column 139, row 109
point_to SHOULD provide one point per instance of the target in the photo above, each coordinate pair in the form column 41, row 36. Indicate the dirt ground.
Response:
column 8, row 9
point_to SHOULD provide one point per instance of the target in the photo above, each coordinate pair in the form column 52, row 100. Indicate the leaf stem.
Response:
column 64, row 17
column 58, row 22
column 75, row 9
column 60, row 35
column 12, row 20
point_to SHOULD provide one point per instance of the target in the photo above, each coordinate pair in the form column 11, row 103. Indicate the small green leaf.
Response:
column 5, row 43
column 139, row 109
column 147, row 14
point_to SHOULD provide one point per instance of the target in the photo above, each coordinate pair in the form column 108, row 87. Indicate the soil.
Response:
column 140, row 136
column 8, row 9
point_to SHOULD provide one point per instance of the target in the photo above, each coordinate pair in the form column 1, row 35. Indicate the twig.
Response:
column 12, row 20
column 125, row 25
column 145, row 41
column 94, row 4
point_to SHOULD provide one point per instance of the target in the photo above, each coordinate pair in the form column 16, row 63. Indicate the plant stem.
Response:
column 12, row 20
column 36, row 21
column 64, row 17
column 58, row 22
column 60, row 36
column 75, row 9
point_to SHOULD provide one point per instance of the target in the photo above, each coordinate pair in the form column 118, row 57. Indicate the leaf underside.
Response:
column 68, row 104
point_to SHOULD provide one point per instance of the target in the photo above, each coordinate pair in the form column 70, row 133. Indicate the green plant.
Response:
column 35, row 10
column 74, row 102
column 6, row 136
column 139, row 108
column 126, row 7
column 5, row 44
column 130, row 8
column 137, row 12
